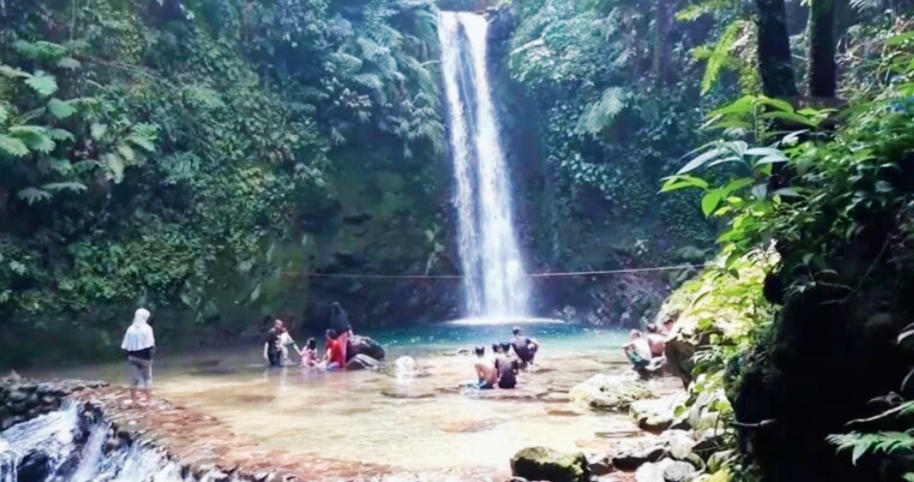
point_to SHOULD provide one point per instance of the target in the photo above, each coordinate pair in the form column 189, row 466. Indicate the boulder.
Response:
column 602, row 392
column 676, row 471
column 362, row 362
column 679, row 443
column 362, row 345
column 599, row 464
column 34, row 467
column 540, row 463
column 632, row 460
column 657, row 415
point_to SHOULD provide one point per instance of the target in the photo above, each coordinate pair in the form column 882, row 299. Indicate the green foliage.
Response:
column 611, row 114
column 210, row 143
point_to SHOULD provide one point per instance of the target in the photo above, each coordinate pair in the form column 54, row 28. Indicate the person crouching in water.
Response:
column 309, row 354
column 140, row 344
column 524, row 347
column 638, row 351
column 505, row 367
column 485, row 370
column 334, row 357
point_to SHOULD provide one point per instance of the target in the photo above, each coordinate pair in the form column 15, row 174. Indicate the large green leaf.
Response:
column 42, row 144
column 42, row 83
column 4, row 113
column 61, row 109
column 13, row 146
column 61, row 135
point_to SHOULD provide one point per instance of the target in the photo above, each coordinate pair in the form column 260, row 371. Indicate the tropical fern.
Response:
column 721, row 56
column 862, row 443
column 696, row 10
column 601, row 114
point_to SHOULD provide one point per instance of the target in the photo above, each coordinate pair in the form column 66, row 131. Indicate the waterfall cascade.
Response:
column 496, row 285
column 57, row 447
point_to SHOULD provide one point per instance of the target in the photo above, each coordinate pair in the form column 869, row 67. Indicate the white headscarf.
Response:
column 139, row 336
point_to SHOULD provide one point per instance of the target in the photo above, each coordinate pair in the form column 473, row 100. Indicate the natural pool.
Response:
column 422, row 425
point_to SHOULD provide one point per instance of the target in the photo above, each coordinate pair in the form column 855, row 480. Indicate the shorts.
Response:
column 333, row 367
column 140, row 372
column 275, row 358
column 484, row 385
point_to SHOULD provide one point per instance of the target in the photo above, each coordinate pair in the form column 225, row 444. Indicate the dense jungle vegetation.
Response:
column 202, row 156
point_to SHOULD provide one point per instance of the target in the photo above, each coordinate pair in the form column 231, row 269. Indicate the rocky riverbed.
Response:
column 199, row 447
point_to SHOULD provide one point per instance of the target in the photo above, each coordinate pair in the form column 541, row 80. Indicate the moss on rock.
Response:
column 541, row 463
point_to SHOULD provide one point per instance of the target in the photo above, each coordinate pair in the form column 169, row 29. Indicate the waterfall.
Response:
column 496, row 285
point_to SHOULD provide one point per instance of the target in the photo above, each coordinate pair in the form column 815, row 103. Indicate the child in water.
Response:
column 309, row 354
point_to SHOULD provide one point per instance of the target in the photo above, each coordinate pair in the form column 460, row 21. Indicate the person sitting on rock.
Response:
column 485, row 370
column 333, row 358
column 309, row 354
column 506, row 368
column 524, row 347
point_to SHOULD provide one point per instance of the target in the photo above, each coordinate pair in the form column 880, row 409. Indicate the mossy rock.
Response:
column 610, row 393
column 540, row 463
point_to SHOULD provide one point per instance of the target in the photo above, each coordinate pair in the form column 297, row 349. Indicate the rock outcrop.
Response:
column 363, row 345
column 605, row 392
column 540, row 463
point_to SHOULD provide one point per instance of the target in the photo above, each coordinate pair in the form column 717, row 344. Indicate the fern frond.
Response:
column 42, row 83
column 12, row 146
column 696, row 10
column 4, row 114
column 602, row 113
column 32, row 195
column 864, row 5
column 64, row 186
column 69, row 63
column 720, row 56
column 60, row 109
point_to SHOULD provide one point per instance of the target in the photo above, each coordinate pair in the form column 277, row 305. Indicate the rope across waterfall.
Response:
column 558, row 274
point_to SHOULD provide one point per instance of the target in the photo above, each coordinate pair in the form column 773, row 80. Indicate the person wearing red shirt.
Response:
column 334, row 356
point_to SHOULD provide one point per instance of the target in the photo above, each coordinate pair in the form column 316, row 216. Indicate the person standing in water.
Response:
column 272, row 347
column 524, row 347
column 139, row 344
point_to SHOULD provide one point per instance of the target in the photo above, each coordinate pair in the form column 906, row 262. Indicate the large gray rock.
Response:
column 666, row 470
column 656, row 415
column 603, row 392
column 540, row 463
column 362, row 345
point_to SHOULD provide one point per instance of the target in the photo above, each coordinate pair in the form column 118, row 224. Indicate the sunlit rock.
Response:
column 540, row 463
column 604, row 392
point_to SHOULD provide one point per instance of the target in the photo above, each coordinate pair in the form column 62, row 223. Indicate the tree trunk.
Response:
column 821, row 72
column 775, row 64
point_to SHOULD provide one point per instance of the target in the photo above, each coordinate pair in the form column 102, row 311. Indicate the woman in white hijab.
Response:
column 139, row 344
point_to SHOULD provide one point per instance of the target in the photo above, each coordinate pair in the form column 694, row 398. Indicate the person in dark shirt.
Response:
column 272, row 351
column 507, row 370
column 524, row 347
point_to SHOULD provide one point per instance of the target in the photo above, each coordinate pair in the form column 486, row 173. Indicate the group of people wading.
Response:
column 336, row 347
column 508, row 358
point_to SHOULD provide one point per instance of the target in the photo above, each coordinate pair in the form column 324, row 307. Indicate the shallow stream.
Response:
column 420, row 424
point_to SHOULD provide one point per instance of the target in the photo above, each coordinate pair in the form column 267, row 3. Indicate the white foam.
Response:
column 493, row 321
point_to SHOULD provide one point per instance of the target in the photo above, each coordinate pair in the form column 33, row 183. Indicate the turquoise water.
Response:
column 424, row 424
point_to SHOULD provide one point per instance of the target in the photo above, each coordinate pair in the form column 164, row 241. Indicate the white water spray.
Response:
column 496, row 285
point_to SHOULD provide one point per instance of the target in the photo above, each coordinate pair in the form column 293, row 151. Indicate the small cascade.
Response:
column 64, row 447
